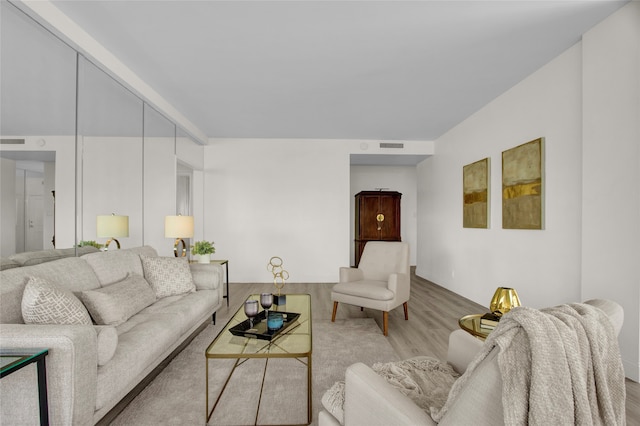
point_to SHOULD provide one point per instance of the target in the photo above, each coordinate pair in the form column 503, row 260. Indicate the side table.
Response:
column 12, row 360
column 471, row 324
column 224, row 262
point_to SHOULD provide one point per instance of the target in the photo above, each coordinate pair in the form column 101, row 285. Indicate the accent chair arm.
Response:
column 400, row 285
column 71, row 374
column 350, row 274
column 370, row 400
column 463, row 347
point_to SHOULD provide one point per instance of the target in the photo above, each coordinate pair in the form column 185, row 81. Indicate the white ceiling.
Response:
column 377, row 70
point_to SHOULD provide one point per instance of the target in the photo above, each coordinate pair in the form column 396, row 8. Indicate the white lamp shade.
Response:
column 178, row 227
column 112, row 226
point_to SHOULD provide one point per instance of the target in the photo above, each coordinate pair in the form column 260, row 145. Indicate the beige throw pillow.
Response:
column 116, row 303
column 168, row 276
column 46, row 303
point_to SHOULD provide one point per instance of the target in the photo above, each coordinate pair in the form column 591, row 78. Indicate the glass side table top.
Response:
column 292, row 343
column 14, row 359
column 471, row 324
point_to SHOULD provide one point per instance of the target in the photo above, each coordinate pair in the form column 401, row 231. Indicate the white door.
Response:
column 35, row 212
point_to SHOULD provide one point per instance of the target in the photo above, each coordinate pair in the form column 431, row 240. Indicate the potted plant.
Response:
column 90, row 243
column 204, row 250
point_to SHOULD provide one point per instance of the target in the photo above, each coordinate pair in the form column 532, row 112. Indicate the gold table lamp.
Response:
column 178, row 227
column 112, row 226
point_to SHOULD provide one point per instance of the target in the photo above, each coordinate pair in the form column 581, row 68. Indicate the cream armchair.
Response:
column 370, row 400
column 381, row 280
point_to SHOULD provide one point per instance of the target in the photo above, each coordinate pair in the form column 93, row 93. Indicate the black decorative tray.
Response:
column 260, row 329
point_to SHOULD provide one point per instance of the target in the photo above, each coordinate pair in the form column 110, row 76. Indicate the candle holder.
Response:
column 280, row 276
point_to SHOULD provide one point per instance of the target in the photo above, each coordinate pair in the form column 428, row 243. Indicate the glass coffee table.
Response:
column 294, row 342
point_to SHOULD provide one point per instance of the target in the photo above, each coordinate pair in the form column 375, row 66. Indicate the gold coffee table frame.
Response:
column 295, row 342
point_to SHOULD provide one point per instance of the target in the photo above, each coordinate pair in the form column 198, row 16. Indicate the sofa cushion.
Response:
column 113, row 266
column 168, row 276
column 107, row 343
column 47, row 303
column 116, row 303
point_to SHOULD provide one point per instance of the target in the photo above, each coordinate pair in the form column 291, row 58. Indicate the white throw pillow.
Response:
column 168, row 276
column 116, row 303
column 47, row 303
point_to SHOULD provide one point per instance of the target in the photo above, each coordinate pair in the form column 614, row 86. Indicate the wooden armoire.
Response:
column 377, row 215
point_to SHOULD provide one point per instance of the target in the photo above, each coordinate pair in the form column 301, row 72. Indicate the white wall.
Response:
column 397, row 178
column 611, row 164
column 7, row 207
column 287, row 198
column 543, row 265
column 591, row 242
column 278, row 198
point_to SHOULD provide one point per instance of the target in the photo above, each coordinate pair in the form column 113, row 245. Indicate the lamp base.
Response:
column 176, row 250
column 106, row 245
column 279, row 299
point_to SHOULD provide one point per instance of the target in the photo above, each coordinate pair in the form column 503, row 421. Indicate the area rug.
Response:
column 177, row 395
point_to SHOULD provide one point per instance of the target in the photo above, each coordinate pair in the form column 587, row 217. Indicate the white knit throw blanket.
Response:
column 559, row 366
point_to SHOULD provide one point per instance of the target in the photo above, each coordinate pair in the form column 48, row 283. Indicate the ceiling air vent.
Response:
column 12, row 141
column 391, row 145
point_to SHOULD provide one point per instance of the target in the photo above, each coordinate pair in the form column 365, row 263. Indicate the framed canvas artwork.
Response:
column 475, row 190
column 523, row 186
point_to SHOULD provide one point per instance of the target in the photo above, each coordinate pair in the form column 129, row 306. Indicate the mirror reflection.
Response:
column 159, row 178
column 126, row 158
column 110, row 148
column 37, row 127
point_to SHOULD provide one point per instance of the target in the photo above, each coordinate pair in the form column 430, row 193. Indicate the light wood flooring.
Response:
column 433, row 314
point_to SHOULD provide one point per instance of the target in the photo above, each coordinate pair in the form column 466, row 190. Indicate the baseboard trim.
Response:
column 117, row 409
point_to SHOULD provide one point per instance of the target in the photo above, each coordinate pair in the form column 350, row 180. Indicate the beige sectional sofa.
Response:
column 145, row 314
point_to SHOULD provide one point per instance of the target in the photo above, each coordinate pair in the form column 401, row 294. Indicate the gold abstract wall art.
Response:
column 523, row 186
column 475, row 189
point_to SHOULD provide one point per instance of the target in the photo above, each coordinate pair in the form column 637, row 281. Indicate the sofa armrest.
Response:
column 206, row 276
column 612, row 309
column 350, row 274
column 463, row 347
column 71, row 374
column 370, row 400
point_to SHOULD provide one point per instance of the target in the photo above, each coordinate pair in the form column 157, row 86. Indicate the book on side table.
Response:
column 489, row 321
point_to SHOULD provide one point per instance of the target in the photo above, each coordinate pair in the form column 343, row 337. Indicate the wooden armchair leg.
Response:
column 385, row 322
column 406, row 310
column 335, row 309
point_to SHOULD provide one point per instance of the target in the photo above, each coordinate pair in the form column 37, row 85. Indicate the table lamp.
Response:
column 178, row 227
column 112, row 226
